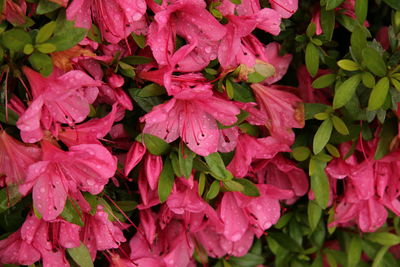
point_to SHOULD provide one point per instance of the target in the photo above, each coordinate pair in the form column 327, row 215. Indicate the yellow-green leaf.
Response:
column 339, row 125
column 348, row 65
column 378, row 94
column 346, row 91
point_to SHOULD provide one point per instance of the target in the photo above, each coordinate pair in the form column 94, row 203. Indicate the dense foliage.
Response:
column 192, row 132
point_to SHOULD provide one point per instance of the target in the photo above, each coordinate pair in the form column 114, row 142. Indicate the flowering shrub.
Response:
column 189, row 132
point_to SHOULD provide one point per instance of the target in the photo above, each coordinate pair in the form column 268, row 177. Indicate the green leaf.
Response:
column 46, row 48
column 202, row 183
column 240, row 118
column 28, row 49
column 285, row 241
column 385, row 239
column 264, row 69
column 217, row 167
column 16, row 39
column 140, row 40
column 339, row 125
column 378, row 94
column 94, row 34
column 345, row 91
column 236, row 2
column 46, row 32
column 301, row 153
column 319, row 182
column 354, row 252
column 358, row 42
column 322, row 136
column 331, row 4
column 310, row 109
column 368, row 79
column 379, row 256
column 146, row 103
column 255, row 77
column 81, row 256
column 310, row 32
column 213, row 190
column 72, row 213
column 388, row 132
column 324, row 81
column 327, row 22
column 312, row 59
column 45, row 6
column 186, row 157
column 393, row 3
column 12, row 116
column 395, row 83
column 66, row 35
column 151, row 90
column 242, row 93
column 136, row 60
column 361, row 10
column 233, row 185
column 374, row 62
column 126, row 205
column 166, row 181
column 333, row 150
column 126, row 70
column 249, row 188
column 314, row 212
column 348, row 65
column 154, row 144
column 229, row 89
column 321, row 116
column 42, row 63
column 9, row 197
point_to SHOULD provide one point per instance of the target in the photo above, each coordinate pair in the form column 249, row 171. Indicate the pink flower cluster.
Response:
column 67, row 157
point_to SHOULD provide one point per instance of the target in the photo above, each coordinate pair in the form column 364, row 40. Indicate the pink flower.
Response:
column 192, row 115
column 190, row 20
column 84, row 167
column 15, row 158
column 14, row 11
column 99, row 233
column 88, row 132
column 116, row 19
column 38, row 239
column 249, row 148
column 282, row 110
column 57, row 99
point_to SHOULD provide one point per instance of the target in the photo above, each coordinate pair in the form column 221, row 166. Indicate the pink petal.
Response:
column 234, row 218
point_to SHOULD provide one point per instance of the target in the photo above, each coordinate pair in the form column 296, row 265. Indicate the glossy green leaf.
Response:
column 42, row 63
column 15, row 39
column 301, row 153
column 361, row 10
column 312, row 59
column 378, row 260
column 354, row 252
column 368, row 79
column 322, row 136
column 319, row 182
column 213, row 190
column 331, row 4
column 217, row 167
column 339, row 125
column 151, row 90
column 46, row 6
column 374, row 62
column 185, row 157
column 310, row 32
column 378, row 94
column 249, row 188
column 46, row 32
column 72, row 213
column 166, row 181
column 358, row 42
column 385, row 239
column 388, row 132
column 321, row 116
column 81, row 255
column 46, row 48
column 345, row 91
column 140, row 40
column 66, row 35
column 202, row 183
column 327, row 20
column 324, row 81
column 233, row 185
column 348, row 65
column 314, row 212
column 154, row 144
